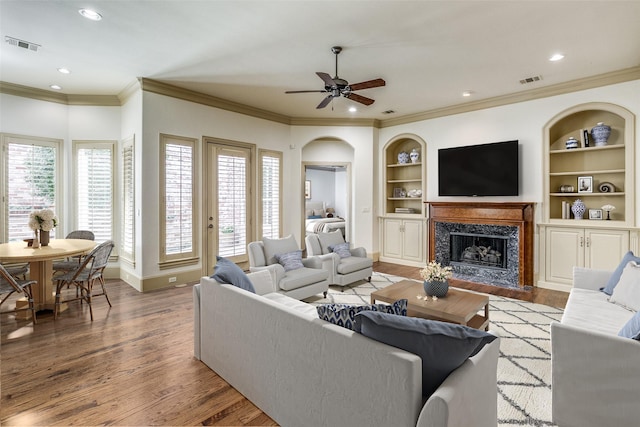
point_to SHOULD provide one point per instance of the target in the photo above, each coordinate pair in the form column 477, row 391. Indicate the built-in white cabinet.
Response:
column 402, row 225
column 404, row 239
column 595, row 241
column 566, row 247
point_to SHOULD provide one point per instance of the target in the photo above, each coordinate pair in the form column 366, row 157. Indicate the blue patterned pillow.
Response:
column 290, row 260
column 344, row 314
column 341, row 249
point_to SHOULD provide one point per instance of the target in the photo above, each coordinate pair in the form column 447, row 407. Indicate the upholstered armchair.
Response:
column 345, row 265
column 282, row 258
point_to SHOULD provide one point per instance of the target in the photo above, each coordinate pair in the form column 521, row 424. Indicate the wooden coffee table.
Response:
column 457, row 306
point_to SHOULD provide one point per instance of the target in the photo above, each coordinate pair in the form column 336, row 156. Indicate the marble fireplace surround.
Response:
column 513, row 219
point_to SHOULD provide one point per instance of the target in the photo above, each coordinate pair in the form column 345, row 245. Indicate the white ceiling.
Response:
column 250, row 52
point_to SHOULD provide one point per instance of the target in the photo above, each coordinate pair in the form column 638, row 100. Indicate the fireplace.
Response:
column 488, row 245
column 478, row 249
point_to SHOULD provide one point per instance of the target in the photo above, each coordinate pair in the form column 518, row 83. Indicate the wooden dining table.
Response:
column 41, row 263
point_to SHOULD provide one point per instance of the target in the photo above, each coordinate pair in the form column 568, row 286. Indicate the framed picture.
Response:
column 307, row 189
column 595, row 213
column 398, row 192
column 585, row 184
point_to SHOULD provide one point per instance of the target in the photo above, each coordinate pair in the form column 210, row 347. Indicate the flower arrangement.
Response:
column 435, row 271
column 43, row 220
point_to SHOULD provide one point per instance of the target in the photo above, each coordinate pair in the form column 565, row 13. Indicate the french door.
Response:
column 229, row 207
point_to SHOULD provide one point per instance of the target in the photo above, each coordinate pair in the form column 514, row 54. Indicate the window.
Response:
column 30, row 181
column 233, row 205
column 94, row 188
column 270, row 191
column 177, row 221
column 127, row 233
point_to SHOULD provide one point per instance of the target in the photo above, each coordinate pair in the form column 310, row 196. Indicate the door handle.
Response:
column 581, row 241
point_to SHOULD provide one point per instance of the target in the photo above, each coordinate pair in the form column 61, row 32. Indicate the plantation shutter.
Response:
column 128, row 202
column 94, row 189
column 31, row 183
column 271, row 188
column 178, row 197
column 232, row 202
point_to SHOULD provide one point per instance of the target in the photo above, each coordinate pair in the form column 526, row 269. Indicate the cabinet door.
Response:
column 393, row 238
column 413, row 240
column 564, row 250
column 605, row 248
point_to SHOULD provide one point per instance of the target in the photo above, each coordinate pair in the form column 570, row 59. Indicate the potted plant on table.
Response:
column 436, row 279
column 42, row 221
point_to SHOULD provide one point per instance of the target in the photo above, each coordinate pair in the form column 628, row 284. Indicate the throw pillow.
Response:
column 226, row 271
column 262, row 282
column 627, row 291
column 632, row 328
column 442, row 346
column 615, row 277
column 278, row 246
column 329, row 239
column 344, row 314
column 341, row 249
column 319, row 212
column 290, row 260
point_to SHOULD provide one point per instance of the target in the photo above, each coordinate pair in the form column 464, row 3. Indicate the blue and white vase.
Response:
column 403, row 157
column 578, row 208
column 436, row 288
column 571, row 143
column 414, row 155
column 600, row 134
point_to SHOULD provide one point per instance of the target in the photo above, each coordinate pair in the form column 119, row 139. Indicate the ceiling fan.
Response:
column 336, row 86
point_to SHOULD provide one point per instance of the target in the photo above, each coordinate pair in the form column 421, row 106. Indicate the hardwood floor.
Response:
column 133, row 365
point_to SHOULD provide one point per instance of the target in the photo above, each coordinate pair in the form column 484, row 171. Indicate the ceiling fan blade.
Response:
column 306, row 91
column 368, row 84
column 325, row 102
column 359, row 98
column 326, row 78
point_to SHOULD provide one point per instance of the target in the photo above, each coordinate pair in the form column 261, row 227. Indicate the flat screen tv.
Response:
column 479, row 170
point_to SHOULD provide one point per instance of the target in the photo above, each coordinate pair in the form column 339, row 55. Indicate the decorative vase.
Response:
column 414, row 155
column 44, row 238
column 578, row 208
column 571, row 143
column 403, row 157
column 600, row 133
column 36, row 241
column 436, row 288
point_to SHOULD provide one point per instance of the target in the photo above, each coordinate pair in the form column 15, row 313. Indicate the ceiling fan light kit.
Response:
column 336, row 87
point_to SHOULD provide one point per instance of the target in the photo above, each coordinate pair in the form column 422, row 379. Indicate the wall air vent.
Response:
column 21, row 43
column 530, row 80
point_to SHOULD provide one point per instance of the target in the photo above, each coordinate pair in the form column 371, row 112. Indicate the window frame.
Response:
column 182, row 258
column 262, row 153
column 128, row 144
column 56, row 144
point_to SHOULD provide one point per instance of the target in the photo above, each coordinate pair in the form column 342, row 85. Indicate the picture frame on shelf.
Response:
column 398, row 193
column 595, row 213
column 585, row 184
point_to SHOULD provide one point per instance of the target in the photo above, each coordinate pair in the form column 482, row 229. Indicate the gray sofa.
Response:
column 595, row 373
column 303, row 371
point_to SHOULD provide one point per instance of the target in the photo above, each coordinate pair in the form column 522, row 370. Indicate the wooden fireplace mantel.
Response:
column 517, row 214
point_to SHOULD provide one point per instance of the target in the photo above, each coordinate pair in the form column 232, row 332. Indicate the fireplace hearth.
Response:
column 488, row 245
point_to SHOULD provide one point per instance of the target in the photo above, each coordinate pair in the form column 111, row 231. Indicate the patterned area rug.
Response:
column 524, row 367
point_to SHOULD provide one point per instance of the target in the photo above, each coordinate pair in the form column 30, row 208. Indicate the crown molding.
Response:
column 620, row 76
column 60, row 98
column 150, row 85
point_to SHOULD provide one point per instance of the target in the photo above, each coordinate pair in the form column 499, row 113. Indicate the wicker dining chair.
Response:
column 72, row 263
column 10, row 285
column 84, row 277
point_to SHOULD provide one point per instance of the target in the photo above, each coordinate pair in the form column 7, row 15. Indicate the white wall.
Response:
column 323, row 186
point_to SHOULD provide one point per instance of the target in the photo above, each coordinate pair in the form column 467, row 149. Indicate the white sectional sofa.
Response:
column 303, row 371
column 595, row 373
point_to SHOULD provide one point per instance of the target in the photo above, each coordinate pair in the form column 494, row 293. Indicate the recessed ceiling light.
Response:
column 556, row 57
column 56, row 87
column 352, row 109
column 90, row 14
column 64, row 70
column 467, row 93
